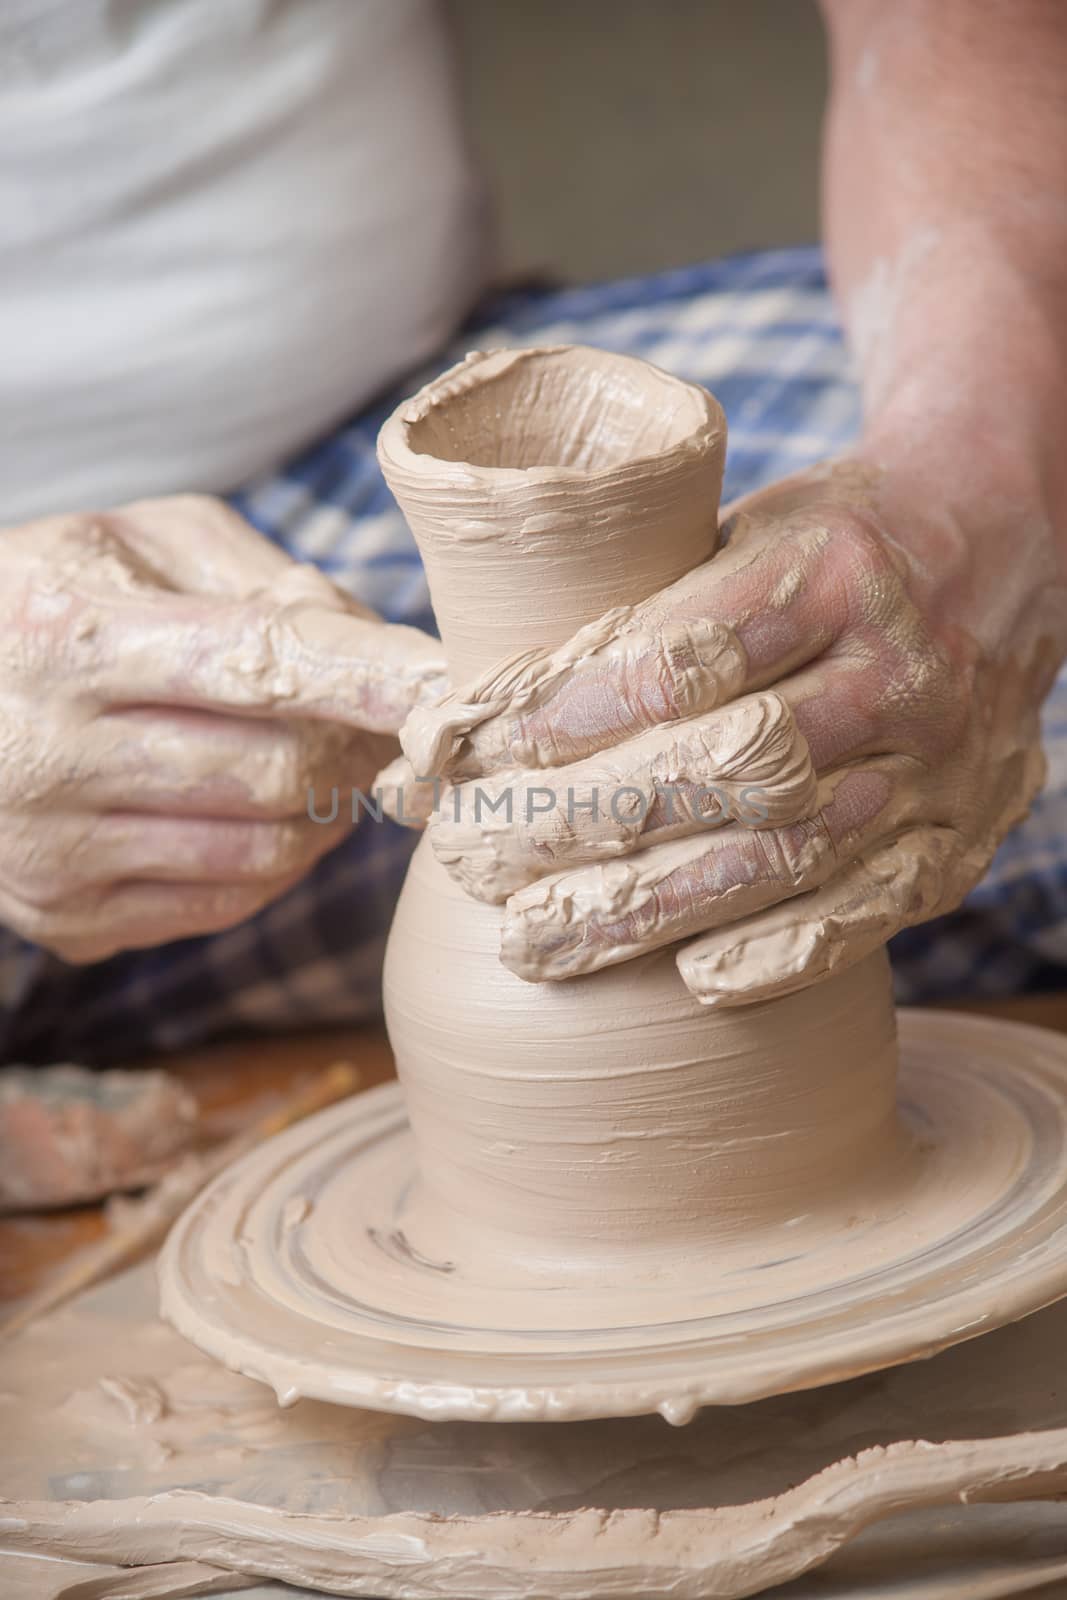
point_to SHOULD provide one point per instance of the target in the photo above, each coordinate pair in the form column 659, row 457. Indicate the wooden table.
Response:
column 237, row 1082
column 233, row 1084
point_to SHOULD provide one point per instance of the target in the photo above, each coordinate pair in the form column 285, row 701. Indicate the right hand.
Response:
column 172, row 686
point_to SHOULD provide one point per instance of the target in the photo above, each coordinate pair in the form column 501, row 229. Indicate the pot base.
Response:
column 316, row 1266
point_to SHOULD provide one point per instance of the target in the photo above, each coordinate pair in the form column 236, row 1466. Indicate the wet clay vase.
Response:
column 598, row 1197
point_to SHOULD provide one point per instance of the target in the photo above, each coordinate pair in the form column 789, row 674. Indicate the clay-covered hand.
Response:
column 172, row 690
column 814, row 740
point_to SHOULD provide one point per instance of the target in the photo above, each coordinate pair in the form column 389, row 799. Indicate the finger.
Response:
column 262, row 656
column 892, row 886
column 194, row 850
column 404, row 797
column 194, row 763
column 775, row 598
column 202, row 545
column 85, row 855
column 747, row 762
column 575, row 922
column 613, row 680
column 844, row 710
column 136, row 915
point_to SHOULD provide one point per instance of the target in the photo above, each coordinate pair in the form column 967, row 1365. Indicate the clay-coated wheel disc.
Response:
column 300, row 1265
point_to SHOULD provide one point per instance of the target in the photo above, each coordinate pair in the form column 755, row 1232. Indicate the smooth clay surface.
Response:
column 123, row 1445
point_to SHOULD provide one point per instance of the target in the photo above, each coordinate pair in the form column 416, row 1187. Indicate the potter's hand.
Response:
column 171, row 688
column 844, row 623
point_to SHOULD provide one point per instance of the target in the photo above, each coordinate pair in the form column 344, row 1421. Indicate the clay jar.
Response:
column 609, row 1120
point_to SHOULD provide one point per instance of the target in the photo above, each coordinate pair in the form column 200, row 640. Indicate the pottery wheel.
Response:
column 310, row 1265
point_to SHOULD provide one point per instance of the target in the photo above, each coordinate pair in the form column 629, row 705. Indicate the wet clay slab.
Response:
column 307, row 1266
column 123, row 1444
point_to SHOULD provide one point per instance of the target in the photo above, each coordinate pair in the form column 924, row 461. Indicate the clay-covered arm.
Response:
column 895, row 617
column 945, row 223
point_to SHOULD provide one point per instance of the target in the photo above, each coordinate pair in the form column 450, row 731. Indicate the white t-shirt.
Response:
column 224, row 225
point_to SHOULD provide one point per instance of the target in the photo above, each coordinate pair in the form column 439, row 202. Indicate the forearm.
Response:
column 946, row 226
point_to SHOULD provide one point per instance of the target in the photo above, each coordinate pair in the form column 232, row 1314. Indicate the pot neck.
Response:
column 528, row 531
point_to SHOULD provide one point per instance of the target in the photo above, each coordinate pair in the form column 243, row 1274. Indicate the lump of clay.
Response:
column 69, row 1135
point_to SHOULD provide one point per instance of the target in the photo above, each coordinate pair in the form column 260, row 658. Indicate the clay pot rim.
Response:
column 394, row 437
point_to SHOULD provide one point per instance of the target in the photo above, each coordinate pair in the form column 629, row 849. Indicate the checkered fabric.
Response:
column 760, row 331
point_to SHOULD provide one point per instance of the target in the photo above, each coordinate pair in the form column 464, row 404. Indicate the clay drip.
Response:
column 544, row 487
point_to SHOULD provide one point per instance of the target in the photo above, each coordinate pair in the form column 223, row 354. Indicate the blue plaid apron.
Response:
column 760, row 331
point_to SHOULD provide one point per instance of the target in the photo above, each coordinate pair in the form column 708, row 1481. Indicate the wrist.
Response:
column 973, row 428
column 968, row 468
column 986, row 557
column 976, row 511
column 964, row 369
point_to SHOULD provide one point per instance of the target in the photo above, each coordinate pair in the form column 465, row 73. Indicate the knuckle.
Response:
column 855, row 556
column 927, row 872
column 43, row 893
column 35, row 923
column 847, row 530
column 227, row 908
column 281, row 779
column 697, row 666
column 681, row 899
column 309, row 758
column 251, row 852
column 284, row 848
column 863, row 543
column 792, row 856
column 924, row 702
column 41, row 879
column 672, row 683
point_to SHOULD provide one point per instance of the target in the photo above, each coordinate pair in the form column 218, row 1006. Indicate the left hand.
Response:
column 858, row 701
column 180, row 701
